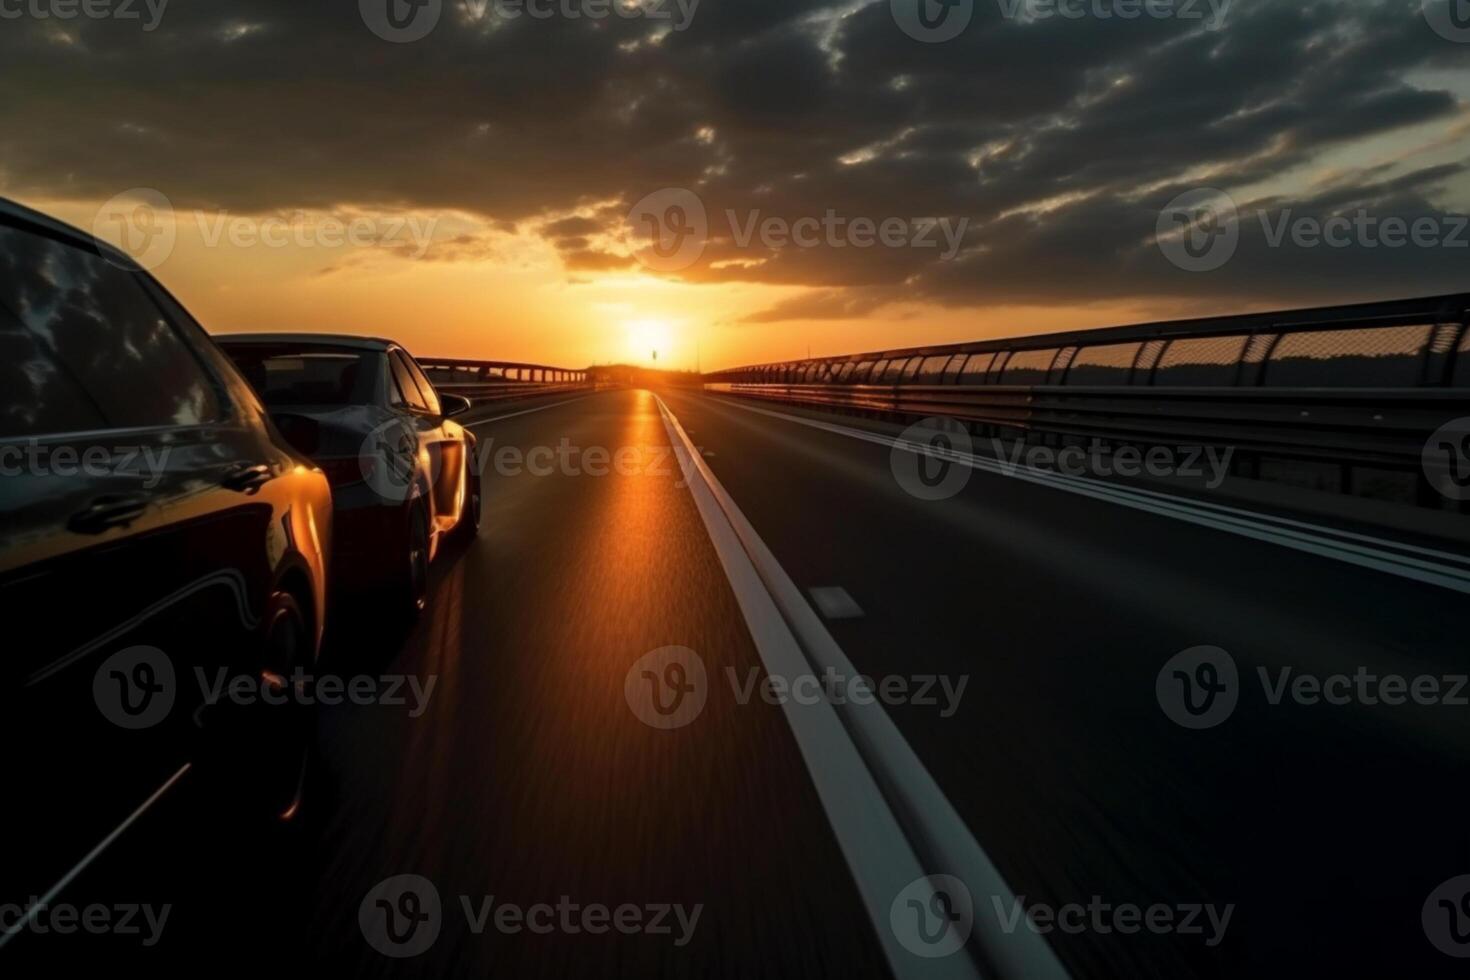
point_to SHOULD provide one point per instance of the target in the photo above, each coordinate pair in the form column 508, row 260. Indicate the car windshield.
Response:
column 303, row 375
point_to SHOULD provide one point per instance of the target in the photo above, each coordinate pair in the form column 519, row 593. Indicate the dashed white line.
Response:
column 834, row 602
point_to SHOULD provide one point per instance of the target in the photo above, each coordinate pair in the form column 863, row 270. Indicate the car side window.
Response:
column 426, row 387
column 89, row 345
column 395, row 390
column 37, row 395
column 406, row 384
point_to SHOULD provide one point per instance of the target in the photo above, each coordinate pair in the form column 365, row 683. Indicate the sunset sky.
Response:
column 492, row 164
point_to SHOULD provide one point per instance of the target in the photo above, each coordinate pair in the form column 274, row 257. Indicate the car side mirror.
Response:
column 454, row 405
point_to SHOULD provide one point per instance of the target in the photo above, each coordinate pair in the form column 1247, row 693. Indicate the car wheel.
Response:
column 413, row 586
column 288, row 648
column 469, row 520
column 258, row 753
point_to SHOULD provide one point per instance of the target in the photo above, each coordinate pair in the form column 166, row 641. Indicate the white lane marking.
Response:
column 1441, row 568
column 92, row 855
column 867, row 776
column 528, row 411
column 834, row 602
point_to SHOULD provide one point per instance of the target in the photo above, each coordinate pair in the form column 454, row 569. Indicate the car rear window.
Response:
column 84, row 346
column 284, row 375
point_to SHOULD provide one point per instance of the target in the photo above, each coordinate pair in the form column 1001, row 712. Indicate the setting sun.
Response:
column 650, row 340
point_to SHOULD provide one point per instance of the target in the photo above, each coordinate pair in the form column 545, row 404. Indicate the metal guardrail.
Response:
column 1360, row 386
column 494, row 381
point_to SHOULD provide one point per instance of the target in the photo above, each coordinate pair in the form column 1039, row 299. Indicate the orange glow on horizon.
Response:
column 515, row 301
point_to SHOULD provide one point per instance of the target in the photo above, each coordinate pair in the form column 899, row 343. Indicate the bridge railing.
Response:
column 494, row 381
column 1356, row 389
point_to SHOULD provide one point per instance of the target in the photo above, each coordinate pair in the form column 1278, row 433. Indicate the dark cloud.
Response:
column 1058, row 141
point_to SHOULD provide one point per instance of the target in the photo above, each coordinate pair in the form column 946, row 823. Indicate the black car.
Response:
column 403, row 471
column 159, row 537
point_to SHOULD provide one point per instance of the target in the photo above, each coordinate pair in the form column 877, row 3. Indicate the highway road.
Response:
column 1024, row 629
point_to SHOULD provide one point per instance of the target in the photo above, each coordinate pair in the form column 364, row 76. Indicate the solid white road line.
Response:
column 891, row 820
column 1434, row 567
column 92, row 855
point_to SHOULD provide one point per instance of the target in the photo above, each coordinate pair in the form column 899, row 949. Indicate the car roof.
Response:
column 325, row 339
column 12, row 212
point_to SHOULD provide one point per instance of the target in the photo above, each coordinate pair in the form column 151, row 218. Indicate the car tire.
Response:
column 469, row 519
column 412, row 587
column 241, row 737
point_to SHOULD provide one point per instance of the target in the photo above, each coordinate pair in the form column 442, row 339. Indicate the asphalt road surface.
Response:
column 1282, row 839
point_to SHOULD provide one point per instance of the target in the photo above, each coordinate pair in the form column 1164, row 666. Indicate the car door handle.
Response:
column 246, row 478
column 108, row 511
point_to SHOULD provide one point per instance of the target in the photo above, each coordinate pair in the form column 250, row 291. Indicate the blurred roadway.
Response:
column 529, row 777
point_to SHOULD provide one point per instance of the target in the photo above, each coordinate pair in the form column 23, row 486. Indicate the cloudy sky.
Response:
column 744, row 180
